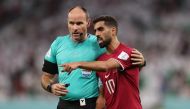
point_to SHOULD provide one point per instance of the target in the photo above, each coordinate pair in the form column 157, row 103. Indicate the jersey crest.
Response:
column 123, row 56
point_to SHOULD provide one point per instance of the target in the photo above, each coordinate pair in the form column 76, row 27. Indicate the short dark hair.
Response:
column 108, row 21
column 82, row 8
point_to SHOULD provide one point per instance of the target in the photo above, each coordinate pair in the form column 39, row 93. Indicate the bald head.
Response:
column 78, row 10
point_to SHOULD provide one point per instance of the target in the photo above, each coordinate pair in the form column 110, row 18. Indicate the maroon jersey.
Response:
column 121, row 86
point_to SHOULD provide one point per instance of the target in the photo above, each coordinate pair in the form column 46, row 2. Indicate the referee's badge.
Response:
column 86, row 73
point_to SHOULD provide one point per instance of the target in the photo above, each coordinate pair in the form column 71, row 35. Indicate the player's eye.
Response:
column 100, row 29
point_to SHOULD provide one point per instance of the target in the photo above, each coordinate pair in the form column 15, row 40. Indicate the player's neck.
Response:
column 113, row 45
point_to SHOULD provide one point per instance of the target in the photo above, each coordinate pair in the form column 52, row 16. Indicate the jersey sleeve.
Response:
column 123, row 58
column 50, row 63
column 51, row 53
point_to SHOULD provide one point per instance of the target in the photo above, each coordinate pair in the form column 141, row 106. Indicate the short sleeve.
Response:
column 123, row 58
column 50, row 62
column 51, row 53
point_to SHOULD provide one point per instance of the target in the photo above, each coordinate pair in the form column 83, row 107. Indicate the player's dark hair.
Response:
column 108, row 21
column 82, row 8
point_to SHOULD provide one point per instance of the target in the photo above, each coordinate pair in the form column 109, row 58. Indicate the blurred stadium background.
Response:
column 160, row 29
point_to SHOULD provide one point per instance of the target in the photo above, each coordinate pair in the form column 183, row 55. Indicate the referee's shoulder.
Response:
column 60, row 38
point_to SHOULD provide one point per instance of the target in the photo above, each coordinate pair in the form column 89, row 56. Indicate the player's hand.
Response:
column 137, row 58
column 68, row 67
column 59, row 89
column 100, row 102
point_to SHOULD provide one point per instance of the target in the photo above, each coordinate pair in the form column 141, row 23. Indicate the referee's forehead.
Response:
column 77, row 12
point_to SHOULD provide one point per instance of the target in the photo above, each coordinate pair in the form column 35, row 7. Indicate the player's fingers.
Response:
column 136, row 63
column 135, row 51
column 66, row 68
column 136, row 55
column 136, row 59
column 62, row 65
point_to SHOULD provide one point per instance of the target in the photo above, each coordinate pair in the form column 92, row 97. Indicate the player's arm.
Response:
column 100, row 102
column 136, row 58
column 100, row 65
column 95, row 65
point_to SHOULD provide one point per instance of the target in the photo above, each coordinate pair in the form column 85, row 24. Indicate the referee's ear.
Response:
column 88, row 21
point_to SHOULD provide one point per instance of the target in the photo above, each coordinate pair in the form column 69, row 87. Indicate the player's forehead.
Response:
column 99, row 24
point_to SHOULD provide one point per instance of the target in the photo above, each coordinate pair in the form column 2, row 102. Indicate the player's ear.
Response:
column 114, row 31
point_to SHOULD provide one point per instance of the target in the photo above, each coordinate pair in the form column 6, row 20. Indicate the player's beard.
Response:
column 105, row 42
